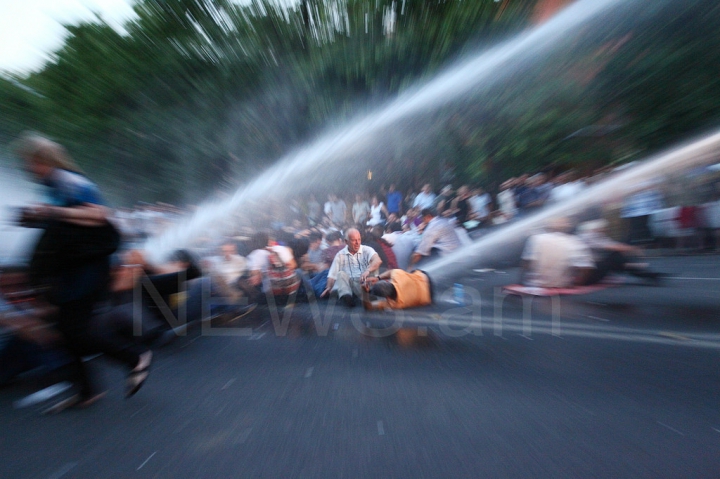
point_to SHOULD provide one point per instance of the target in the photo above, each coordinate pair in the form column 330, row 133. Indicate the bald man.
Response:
column 350, row 269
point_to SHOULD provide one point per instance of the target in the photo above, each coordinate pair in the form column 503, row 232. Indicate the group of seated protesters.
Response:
column 319, row 264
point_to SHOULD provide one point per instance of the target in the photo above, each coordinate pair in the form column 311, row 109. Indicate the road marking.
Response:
column 309, row 372
column 381, row 429
column 138, row 411
column 694, row 279
column 227, row 384
column 256, row 336
column 599, row 319
column 668, row 334
column 526, row 337
column 716, row 430
column 671, row 428
column 336, row 326
column 596, row 303
column 146, row 461
column 63, row 470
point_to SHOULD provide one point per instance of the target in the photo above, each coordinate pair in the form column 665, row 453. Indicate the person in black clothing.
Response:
column 461, row 206
column 71, row 264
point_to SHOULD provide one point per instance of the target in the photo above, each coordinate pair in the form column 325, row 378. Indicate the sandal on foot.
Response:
column 136, row 378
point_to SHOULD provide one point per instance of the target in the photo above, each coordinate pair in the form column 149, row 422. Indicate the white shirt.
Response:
column 506, row 198
column 552, row 257
column 230, row 269
column 566, row 191
column 480, row 205
column 353, row 264
column 439, row 233
column 424, row 200
column 376, row 215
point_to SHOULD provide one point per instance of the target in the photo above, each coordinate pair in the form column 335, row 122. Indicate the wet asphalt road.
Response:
column 619, row 383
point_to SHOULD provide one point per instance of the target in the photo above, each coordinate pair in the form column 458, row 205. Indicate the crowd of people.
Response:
column 368, row 249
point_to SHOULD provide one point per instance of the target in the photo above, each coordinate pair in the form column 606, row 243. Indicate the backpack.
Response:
column 283, row 280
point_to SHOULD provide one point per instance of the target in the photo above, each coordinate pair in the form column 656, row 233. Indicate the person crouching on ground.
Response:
column 351, row 268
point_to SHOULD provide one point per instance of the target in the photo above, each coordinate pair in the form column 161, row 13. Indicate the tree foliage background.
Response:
column 200, row 95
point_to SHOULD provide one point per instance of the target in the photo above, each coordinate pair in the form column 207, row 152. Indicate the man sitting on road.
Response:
column 556, row 258
column 350, row 269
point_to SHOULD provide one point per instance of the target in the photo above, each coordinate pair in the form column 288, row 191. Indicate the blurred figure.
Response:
column 315, row 239
column 394, row 201
column 480, row 203
column 461, row 207
column 399, row 289
column 360, row 210
column 350, row 268
column 556, row 258
column 506, row 201
column 612, row 256
column 319, row 281
column 228, row 268
column 425, row 198
column 442, row 203
column 566, row 188
column 78, row 274
column 378, row 212
column 313, row 211
column 272, row 269
column 336, row 210
column 637, row 210
column 438, row 238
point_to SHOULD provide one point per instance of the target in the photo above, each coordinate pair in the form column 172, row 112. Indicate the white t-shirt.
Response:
column 230, row 269
column 553, row 256
column 259, row 260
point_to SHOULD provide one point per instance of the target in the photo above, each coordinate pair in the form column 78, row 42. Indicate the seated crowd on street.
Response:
column 360, row 248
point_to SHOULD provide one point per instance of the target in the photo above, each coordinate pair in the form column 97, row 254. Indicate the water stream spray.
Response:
column 329, row 151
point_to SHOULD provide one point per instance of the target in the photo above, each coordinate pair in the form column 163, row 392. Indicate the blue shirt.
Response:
column 393, row 202
column 68, row 189
column 71, row 189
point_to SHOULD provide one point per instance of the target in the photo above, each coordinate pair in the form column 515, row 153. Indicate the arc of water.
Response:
column 699, row 152
column 481, row 71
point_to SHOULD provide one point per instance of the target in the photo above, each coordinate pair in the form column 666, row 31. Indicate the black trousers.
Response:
column 84, row 335
column 612, row 261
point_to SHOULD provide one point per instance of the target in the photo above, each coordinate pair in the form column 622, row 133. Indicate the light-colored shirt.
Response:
column 440, row 234
column 566, row 191
column 506, row 200
column 360, row 211
column 259, row 260
column 552, row 257
column 424, row 200
column 230, row 269
column 642, row 204
column 403, row 248
column 353, row 264
column 336, row 210
column 480, row 205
